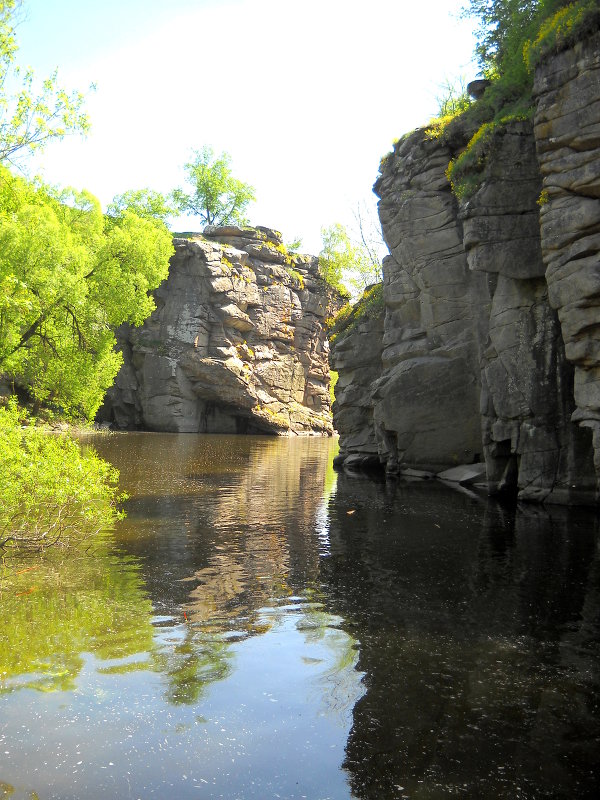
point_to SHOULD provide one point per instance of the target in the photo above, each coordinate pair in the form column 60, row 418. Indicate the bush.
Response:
column 562, row 29
column 514, row 35
column 53, row 493
column 370, row 305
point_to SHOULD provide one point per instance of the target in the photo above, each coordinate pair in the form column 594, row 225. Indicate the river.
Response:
column 260, row 627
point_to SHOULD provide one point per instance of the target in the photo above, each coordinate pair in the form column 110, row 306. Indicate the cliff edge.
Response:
column 485, row 351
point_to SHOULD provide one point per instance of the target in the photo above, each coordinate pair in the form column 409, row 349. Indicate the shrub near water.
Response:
column 51, row 492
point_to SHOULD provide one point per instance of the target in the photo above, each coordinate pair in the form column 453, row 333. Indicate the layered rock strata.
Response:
column 529, row 441
column 567, row 133
column 237, row 342
column 476, row 363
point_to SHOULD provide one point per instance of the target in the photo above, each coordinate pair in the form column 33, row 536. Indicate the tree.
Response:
column 343, row 260
column 146, row 203
column 68, row 277
column 218, row 198
column 30, row 119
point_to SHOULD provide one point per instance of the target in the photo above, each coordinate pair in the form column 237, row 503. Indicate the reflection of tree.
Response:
column 223, row 527
column 232, row 530
column 56, row 608
column 339, row 684
column 191, row 665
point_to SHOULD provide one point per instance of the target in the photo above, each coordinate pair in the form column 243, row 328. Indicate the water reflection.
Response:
column 479, row 637
column 56, row 609
column 238, row 681
column 254, row 630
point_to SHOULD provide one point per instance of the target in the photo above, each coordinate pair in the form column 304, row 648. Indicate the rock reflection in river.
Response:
column 479, row 636
column 244, row 683
column 245, row 636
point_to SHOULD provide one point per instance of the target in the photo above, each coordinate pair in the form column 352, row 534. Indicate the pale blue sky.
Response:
column 305, row 96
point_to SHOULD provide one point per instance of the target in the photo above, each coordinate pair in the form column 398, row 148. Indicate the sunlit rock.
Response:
column 237, row 342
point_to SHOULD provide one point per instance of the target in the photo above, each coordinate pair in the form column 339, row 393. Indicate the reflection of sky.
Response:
column 276, row 723
column 243, row 686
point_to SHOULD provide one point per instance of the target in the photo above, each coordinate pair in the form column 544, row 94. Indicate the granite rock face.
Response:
column 357, row 359
column 490, row 341
column 567, row 132
column 529, row 442
column 237, row 342
column 431, row 329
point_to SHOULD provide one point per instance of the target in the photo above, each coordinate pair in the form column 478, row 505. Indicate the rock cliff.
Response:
column 490, row 321
column 237, row 342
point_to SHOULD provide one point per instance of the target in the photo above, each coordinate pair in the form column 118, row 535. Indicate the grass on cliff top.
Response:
column 370, row 306
column 562, row 30
column 514, row 38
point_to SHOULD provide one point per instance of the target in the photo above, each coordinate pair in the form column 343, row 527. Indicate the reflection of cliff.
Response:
column 479, row 636
column 265, row 534
column 223, row 526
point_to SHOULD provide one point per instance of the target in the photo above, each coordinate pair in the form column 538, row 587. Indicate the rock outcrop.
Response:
column 237, row 343
column 491, row 318
column 567, row 133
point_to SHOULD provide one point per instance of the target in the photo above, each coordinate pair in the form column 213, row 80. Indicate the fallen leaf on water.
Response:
column 352, row 511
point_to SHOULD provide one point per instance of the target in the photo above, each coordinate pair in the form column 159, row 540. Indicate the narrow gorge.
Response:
column 483, row 349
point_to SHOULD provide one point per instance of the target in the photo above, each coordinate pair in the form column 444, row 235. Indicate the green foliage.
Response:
column 145, row 203
column 68, row 277
column 452, row 101
column 52, row 492
column 513, row 36
column 333, row 379
column 342, row 259
column 29, row 119
column 295, row 246
column 89, row 603
column 463, row 172
column 217, row 198
column 561, row 29
column 454, row 98
column 296, row 277
column 544, row 198
column 370, row 306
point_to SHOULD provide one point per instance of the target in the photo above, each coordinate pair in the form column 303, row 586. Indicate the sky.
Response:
column 306, row 97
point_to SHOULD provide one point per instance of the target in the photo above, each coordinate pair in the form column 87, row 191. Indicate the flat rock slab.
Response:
column 416, row 473
column 464, row 474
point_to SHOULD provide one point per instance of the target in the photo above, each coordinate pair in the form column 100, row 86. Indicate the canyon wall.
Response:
column 490, row 320
column 237, row 343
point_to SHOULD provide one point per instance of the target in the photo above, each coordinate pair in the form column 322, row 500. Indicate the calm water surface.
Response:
column 259, row 627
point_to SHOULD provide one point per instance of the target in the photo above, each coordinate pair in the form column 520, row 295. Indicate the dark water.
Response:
column 259, row 627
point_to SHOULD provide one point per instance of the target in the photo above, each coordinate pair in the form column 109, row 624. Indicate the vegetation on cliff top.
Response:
column 369, row 306
column 217, row 197
column 514, row 36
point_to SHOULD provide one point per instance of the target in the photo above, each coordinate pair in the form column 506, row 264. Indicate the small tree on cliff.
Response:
column 217, row 198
